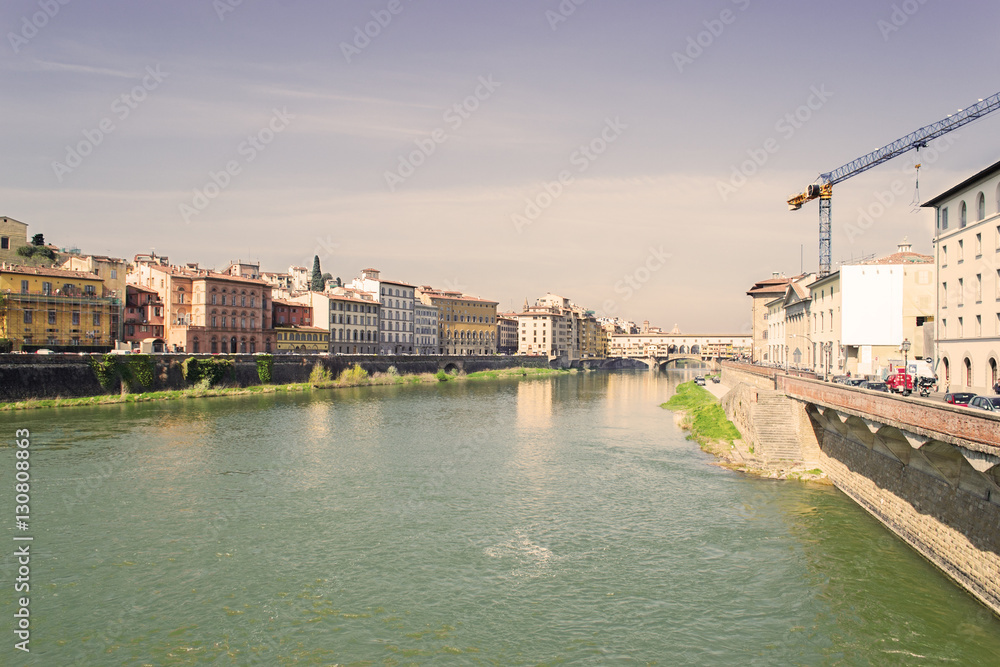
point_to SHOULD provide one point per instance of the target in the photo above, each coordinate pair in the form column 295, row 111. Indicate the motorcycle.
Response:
column 926, row 385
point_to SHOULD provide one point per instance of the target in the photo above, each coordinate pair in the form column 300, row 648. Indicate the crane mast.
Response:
column 822, row 189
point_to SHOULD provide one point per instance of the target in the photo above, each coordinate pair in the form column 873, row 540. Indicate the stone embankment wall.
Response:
column 953, row 529
column 924, row 469
column 24, row 376
column 778, row 430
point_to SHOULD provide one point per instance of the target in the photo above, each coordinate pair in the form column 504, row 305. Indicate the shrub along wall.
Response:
column 24, row 376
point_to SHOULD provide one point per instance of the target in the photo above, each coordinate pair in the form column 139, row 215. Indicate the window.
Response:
column 27, row 317
column 76, row 318
column 979, row 288
column 981, row 207
column 961, row 292
column 97, row 319
column 944, row 255
column 47, row 288
column 4, row 243
column 213, row 299
column 979, row 326
column 961, row 327
column 24, row 287
column 944, row 216
column 979, row 245
column 961, row 251
column 944, row 295
column 114, row 274
column 52, row 317
column 963, row 216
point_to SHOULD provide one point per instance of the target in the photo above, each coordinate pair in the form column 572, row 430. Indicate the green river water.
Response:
column 555, row 521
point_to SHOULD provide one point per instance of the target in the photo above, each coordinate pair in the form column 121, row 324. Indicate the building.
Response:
column 396, row 313
column 111, row 271
column 300, row 278
column 467, row 325
column 425, row 334
column 763, row 292
column 507, row 333
column 206, row 311
column 242, row 269
column 288, row 313
column 13, row 235
column 299, row 339
column 143, row 317
column 546, row 328
column 354, row 321
column 967, row 257
column 57, row 309
column 861, row 314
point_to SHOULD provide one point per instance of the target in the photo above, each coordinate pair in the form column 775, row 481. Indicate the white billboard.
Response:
column 871, row 304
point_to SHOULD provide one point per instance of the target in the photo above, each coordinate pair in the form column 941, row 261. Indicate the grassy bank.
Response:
column 703, row 416
column 319, row 380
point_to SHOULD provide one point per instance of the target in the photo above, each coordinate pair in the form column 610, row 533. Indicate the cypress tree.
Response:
column 317, row 276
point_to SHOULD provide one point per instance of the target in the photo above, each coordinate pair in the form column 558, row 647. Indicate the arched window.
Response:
column 991, row 372
column 968, row 372
column 963, row 216
column 981, row 207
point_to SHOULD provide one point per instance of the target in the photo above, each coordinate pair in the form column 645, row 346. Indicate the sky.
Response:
column 634, row 157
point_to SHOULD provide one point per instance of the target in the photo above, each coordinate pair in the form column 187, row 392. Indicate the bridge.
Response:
column 929, row 471
column 663, row 362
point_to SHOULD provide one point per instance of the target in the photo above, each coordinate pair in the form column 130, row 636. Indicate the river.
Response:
column 547, row 521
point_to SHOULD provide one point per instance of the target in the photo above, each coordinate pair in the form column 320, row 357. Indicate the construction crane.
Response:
column 823, row 187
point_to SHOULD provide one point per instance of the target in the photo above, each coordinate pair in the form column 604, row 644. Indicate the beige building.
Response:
column 354, row 321
column 467, row 325
column 967, row 257
column 827, row 353
column 762, row 293
column 112, row 271
column 13, row 235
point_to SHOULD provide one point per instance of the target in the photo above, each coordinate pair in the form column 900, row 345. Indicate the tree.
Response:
column 38, row 239
column 317, row 276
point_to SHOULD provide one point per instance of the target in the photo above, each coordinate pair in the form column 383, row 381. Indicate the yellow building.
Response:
column 302, row 340
column 111, row 270
column 55, row 309
column 467, row 325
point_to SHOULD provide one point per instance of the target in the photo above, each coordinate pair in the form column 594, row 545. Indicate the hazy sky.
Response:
column 505, row 149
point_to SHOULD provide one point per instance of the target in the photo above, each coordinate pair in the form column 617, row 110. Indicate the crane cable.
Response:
column 916, row 189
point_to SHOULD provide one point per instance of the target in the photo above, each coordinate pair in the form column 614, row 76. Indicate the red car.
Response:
column 959, row 398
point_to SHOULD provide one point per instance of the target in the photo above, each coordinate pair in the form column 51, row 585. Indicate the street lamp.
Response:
column 905, row 347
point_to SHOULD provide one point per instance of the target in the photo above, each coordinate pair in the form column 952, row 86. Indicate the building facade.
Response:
column 425, row 334
column 354, row 322
column 288, row 313
column 395, row 312
column 112, row 271
column 143, row 317
column 762, row 293
column 205, row 311
column 299, row 339
column 56, row 309
column 467, row 325
column 967, row 257
column 13, row 235
column 507, row 333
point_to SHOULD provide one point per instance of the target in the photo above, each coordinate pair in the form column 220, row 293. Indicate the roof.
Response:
column 140, row 288
column 299, row 327
column 50, row 273
column 453, row 296
column 769, row 286
column 207, row 274
column 9, row 219
column 295, row 304
column 947, row 194
column 902, row 258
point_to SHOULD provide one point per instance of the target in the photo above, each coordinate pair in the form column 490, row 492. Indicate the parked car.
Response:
column 900, row 383
column 44, row 351
column 959, row 397
column 988, row 403
column 700, row 380
column 874, row 386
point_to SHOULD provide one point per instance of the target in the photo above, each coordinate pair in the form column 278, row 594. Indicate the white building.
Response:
column 396, row 314
column 967, row 257
column 425, row 332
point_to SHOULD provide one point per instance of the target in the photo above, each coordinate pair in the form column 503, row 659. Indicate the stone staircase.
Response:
column 776, row 435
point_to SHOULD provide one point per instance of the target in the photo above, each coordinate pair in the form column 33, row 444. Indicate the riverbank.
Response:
column 353, row 377
column 697, row 410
